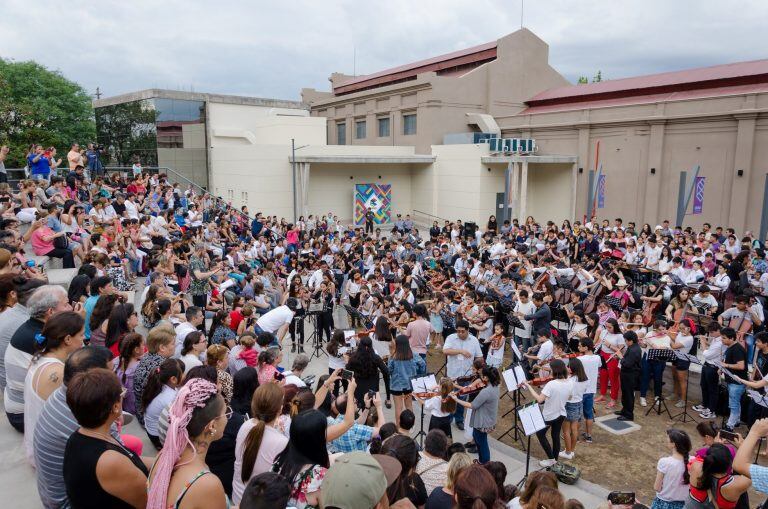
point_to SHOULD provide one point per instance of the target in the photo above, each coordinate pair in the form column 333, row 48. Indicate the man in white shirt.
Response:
column 277, row 321
column 525, row 307
column 195, row 317
column 461, row 349
column 317, row 276
column 293, row 377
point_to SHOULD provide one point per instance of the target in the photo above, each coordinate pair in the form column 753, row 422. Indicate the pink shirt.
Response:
column 39, row 245
column 418, row 333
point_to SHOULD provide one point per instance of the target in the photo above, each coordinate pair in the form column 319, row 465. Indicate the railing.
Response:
column 421, row 212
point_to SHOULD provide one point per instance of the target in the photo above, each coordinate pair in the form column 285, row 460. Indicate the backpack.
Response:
column 566, row 474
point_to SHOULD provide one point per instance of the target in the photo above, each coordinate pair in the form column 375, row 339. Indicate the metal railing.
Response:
column 421, row 212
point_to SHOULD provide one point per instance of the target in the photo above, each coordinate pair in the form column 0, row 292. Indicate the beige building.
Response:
column 424, row 128
column 419, row 103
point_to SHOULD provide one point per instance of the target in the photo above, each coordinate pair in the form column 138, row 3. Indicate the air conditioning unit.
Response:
column 512, row 145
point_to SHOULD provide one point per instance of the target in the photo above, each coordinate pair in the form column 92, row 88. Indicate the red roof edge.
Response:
column 476, row 54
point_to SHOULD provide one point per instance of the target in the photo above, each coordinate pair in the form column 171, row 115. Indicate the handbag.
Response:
column 61, row 242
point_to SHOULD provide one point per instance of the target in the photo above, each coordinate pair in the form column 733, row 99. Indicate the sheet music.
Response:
column 348, row 334
column 759, row 399
column 516, row 349
column 424, row 383
column 531, row 418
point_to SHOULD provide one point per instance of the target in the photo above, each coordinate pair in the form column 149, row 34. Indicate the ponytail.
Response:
column 682, row 443
column 266, row 404
column 168, row 369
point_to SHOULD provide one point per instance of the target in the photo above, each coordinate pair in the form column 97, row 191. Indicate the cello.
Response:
column 650, row 307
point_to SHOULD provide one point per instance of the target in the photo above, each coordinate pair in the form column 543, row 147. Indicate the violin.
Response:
column 562, row 357
column 497, row 340
column 537, row 382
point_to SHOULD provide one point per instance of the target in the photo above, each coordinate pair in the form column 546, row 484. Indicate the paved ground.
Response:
column 17, row 478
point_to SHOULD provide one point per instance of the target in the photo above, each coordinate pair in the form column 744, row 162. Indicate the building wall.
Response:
column 722, row 134
column 520, row 70
column 549, row 192
column 331, row 187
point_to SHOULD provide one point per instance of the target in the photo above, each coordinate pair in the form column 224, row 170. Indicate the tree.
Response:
column 597, row 78
column 38, row 105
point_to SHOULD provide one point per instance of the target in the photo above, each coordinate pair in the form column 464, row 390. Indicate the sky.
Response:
column 274, row 49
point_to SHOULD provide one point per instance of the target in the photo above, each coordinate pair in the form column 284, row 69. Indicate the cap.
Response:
column 358, row 480
column 621, row 282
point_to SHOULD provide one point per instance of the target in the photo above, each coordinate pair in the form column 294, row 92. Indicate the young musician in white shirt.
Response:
column 591, row 363
column 657, row 339
column 554, row 396
column 683, row 343
column 574, row 406
column 713, row 351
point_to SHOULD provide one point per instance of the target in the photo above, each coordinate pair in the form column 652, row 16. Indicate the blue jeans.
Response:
column 750, row 340
column 655, row 371
column 483, row 451
column 735, row 392
column 458, row 415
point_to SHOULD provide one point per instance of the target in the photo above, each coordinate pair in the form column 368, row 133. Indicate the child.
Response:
column 495, row 355
column 591, row 364
column 441, row 407
column 403, row 366
column 574, row 407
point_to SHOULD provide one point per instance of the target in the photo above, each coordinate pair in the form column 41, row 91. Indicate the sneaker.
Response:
column 460, row 425
column 706, row 414
column 643, row 402
column 587, row 438
column 699, row 408
column 611, row 404
column 680, row 404
column 547, row 463
column 657, row 402
column 727, row 428
column 293, row 348
column 671, row 397
column 567, row 455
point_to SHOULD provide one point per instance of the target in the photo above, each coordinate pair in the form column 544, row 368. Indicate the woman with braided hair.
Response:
column 179, row 477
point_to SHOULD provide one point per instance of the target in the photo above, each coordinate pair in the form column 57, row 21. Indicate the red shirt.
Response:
column 235, row 317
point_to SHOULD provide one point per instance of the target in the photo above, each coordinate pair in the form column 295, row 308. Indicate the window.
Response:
column 409, row 124
column 383, row 127
column 360, row 129
column 341, row 133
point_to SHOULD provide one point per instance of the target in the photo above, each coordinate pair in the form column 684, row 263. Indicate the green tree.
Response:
column 597, row 78
column 38, row 105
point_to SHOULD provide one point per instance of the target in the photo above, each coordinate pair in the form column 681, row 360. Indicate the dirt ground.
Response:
column 616, row 462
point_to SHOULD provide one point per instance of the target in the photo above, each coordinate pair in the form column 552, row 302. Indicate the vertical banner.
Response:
column 698, row 195
column 374, row 197
column 601, row 192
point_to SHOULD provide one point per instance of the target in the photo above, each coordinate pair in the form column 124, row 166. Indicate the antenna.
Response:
column 522, row 11
column 98, row 93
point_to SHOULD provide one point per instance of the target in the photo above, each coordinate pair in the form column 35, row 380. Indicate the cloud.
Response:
column 273, row 49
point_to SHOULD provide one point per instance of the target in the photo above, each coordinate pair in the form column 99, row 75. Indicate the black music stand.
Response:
column 421, row 434
column 661, row 354
column 315, row 338
column 614, row 302
column 682, row 416
column 533, row 430
column 561, row 315
column 515, row 429
column 354, row 312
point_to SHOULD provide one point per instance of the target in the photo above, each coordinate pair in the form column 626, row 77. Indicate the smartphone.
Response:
column 279, row 376
column 729, row 436
column 347, row 374
column 622, row 498
column 371, row 393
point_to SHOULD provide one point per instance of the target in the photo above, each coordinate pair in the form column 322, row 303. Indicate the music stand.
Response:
column 514, row 378
column 660, row 354
column 419, row 384
column 693, row 360
column 533, row 421
column 614, row 302
column 355, row 313
column 560, row 316
column 315, row 338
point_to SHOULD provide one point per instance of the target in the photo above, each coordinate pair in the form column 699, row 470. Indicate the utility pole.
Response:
column 98, row 93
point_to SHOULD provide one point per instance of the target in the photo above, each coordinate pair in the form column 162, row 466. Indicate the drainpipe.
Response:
column 293, row 171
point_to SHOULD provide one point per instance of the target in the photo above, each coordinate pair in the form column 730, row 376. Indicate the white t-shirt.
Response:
column 526, row 309
column 272, row 443
column 131, row 209
column 672, row 487
column 557, row 392
column 579, row 389
column 432, row 406
column 591, row 363
column 181, row 333
column 291, row 379
column 610, row 339
column 458, row 365
column 275, row 319
column 190, row 361
column 686, row 341
column 545, row 352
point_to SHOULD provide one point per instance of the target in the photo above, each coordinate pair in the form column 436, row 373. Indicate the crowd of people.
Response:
column 199, row 357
